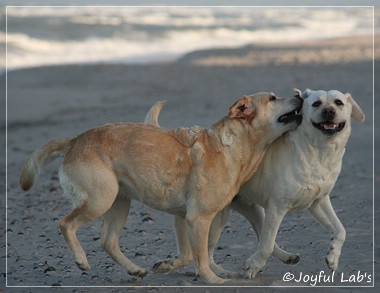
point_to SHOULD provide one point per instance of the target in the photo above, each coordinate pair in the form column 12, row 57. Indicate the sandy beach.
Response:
column 52, row 102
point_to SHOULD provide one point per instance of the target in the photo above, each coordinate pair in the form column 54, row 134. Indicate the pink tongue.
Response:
column 329, row 125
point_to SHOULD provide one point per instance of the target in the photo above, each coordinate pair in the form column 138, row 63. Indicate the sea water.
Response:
column 37, row 36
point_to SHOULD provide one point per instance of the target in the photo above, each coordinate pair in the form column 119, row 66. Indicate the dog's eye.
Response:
column 339, row 103
column 317, row 104
column 272, row 98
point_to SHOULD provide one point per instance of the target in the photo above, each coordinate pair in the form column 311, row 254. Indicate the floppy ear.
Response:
column 306, row 93
column 243, row 108
column 302, row 95
column 357, row 112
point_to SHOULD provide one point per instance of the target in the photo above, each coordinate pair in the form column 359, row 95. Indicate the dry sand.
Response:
column 53, row 102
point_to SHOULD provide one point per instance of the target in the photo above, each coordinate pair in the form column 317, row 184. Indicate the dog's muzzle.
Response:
column 329, row 127
column 293, row 116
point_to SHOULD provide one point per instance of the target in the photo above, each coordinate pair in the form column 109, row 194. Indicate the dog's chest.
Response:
column 314, row 182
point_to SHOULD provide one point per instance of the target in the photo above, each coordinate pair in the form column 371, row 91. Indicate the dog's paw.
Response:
column 292, row 259
column 163, row 266
column 215, row 280
column 217, row 269
column 139, row 273
column 332, row 261
column 250, row 272
column 83, row 265
column 230, row 275
column 253, row 265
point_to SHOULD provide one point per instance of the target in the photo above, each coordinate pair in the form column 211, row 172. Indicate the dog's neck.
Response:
column 241, row 140
column 242, row 129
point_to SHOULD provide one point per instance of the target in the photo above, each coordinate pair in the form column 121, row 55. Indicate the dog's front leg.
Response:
column 272, row 220
column 216, row 228
column 255, row 214
column 323, row 211
column 198, row 228
column 184, row 256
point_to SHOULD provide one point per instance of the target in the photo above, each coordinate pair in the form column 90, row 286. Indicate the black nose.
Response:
column 328, row 113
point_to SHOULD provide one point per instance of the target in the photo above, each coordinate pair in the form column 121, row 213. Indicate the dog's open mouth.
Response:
column 329, row 127
column 293, row 116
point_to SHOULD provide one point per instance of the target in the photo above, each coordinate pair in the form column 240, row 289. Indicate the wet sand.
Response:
column 62, row 101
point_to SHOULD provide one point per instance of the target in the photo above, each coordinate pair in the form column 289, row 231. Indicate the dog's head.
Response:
column 329, row 112
column 265, row 111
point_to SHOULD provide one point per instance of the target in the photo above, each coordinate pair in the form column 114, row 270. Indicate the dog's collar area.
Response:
column 293, row 116
column 329, row 127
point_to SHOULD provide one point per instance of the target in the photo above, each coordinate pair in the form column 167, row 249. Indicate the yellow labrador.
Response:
column 191, row 173
column 298, row 171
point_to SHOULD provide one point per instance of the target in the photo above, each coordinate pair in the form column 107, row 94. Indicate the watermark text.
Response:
column 324, row 278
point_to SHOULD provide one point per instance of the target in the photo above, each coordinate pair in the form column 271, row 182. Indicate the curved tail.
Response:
column 152, row 117
column 41, row 157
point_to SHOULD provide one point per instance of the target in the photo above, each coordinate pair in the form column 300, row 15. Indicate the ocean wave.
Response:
column 52, row 35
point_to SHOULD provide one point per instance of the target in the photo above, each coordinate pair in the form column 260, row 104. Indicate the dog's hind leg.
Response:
column 255, row 214
column 323, row 211
column 69, row 226
column 113, row 222
column 91, row 201
column 184, row 256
